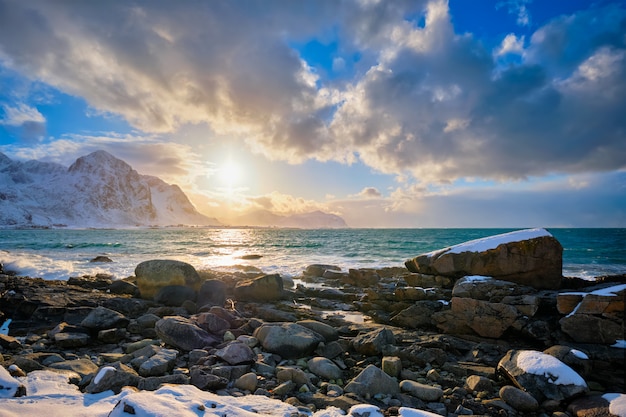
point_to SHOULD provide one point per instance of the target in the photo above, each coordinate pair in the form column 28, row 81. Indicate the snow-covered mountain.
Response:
column 98, row 190
column 313, row 220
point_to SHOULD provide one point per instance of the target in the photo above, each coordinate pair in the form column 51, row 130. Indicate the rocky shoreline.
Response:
column 389, row 337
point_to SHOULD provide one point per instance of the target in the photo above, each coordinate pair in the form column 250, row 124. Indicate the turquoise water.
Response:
column 61, row 253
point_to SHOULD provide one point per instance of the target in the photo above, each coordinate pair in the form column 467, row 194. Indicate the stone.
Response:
column 264, row 288
column 71, row 340
column 152, row 383
column 574, row 358
column 541, row 375
column 212, row 323
column 236, row 353
column 361, row 277
column 113, row 377
column 373, row 343
column 330, row 350
column 247, row 382
column 289, row 340
column 371, row 381
column 478, row 383
column 317, row 270
column 159, row 363
column 9, row 342
column 591, row 406
column 295, row 375
column 82, row 367
column 111, row 335
column 518, row 399
column 324, row 368
column 174, row 295
column 529, row 257
column 124, row 287
column 481, row 317
column 202, row 378
column 418, row 315
column 422, row 391
column 392, row 366
column 211, row 293
column 586, row 328
column 155, row 274
column 101, row 318
column 181, row 333
column 329, row 333
column 101, row 258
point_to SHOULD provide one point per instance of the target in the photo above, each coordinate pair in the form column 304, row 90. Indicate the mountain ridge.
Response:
column 99, row 190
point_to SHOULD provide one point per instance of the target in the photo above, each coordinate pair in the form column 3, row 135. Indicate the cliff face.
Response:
column 98, row 190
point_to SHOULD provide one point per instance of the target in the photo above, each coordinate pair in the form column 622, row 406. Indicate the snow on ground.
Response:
column 607, row 292
column 491, row 242
column 620, row 344
column 538, row 363
column 617, row 404
column 50, row 394
column 579, row 354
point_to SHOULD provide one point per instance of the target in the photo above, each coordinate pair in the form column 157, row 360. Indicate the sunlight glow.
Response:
column 230, row 173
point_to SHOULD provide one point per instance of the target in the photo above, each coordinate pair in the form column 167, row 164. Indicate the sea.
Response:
column 57, row 254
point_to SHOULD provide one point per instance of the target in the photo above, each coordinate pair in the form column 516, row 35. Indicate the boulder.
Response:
column 530, row 257
column 289, row 340
column 264, row 288
column 371, row 381
column 586, row 328
column 174, row 295
column 101, row 318
column 236, row 353
column 606, row 405
column 518, row 399
column 417, row 315
column 422, row 391
column 182, row 333
column 372, row 343
column 212, row 292
column 324, row 368
column 541, row 375
column 317, row 270
column 158, row 273
column 159, row 363
column 468, row 316
column 82, row 367
column 328, row 332
column 113, row 377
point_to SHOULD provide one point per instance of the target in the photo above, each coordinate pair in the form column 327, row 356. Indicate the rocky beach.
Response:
column 489, row 327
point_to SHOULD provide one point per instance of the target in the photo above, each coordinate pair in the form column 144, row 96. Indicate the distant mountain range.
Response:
column 100, row 190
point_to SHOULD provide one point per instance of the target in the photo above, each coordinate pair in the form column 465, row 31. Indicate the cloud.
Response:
column 28, row 121
column 421, row 100
column 369, row 192
column 518, row 8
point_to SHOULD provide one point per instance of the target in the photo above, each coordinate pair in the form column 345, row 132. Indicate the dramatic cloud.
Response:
column 29, row 123
column 420, row 100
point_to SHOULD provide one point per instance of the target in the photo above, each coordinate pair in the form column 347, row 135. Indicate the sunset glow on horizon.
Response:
column 418, row 113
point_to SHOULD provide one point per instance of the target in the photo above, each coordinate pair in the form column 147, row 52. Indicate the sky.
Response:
column 404, row 113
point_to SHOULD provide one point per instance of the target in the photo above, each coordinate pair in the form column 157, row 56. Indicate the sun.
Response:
column 230, row 173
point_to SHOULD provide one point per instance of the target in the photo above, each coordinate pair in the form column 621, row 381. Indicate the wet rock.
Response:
column 324, row 368
column 155, row 274
column 183, row 334
column 101, row 318
column 542, row 375
column 422, row 391
column 317, row 270
column 174, row 295
column 536, row 261
column 212, row 293
column 371, row 381
column 265, row 288
column 518, row 399
column 101, row 258
column 373, row 343
column 236, row 353
column 289, row 340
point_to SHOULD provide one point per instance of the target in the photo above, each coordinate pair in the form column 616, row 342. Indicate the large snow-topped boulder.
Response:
column 541, row 375
column 530, row 257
